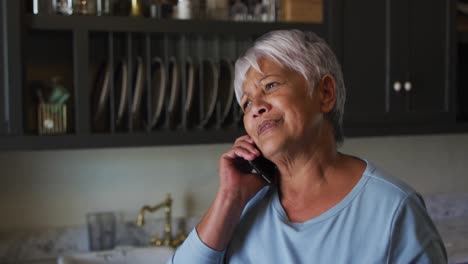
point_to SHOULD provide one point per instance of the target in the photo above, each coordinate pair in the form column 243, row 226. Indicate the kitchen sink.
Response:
column 124, row 255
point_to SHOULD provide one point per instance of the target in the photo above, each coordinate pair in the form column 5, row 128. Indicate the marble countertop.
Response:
column 449, row 212
column 450, row 215
column 44, row 246
column 454, row 232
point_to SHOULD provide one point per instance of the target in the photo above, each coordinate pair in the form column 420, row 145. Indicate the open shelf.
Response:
column 141, row 24
column 87, row 141
column 197, row 137
column 90, row 41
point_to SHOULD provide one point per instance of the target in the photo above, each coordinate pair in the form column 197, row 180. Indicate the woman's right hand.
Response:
column 236, row 187
column 235, row 177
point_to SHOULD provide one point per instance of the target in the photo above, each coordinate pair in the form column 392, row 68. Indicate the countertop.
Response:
column 449, row 212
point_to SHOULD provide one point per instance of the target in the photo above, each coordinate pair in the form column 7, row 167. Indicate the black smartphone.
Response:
column 263, row 168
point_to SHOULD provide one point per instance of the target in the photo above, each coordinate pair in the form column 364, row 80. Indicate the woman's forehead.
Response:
column 266, row 68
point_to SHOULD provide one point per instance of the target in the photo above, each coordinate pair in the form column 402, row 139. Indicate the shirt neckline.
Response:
column 330, row 212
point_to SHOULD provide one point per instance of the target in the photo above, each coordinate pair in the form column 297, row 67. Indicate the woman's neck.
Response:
column 314, row 177
column 306, row 170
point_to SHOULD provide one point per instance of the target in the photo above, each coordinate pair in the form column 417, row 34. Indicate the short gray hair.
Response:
column 303, row 52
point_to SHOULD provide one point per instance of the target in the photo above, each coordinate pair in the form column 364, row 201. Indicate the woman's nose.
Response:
column 259, row 107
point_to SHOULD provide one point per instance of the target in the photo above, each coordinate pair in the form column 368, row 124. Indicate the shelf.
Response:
column 158, row 138
column 141, row 24
column 172, row 138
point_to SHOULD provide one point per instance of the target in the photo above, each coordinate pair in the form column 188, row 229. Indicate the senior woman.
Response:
column 325, row 206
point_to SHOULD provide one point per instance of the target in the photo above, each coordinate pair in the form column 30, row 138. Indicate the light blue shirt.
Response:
column 382, row 220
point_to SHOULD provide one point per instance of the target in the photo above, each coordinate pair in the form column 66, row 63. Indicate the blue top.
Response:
column 382, row 220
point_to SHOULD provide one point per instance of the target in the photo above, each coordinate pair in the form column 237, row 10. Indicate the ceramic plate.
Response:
column 210, row 90
column 190, row 66
column 121, row 91
column 225, row 87
column 158, row 89
column 103, row 91
column 138, row 88
column 174, row 78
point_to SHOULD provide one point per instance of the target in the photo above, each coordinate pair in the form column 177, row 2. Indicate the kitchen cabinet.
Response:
column 74, row 48
column 397, row 61
column 3, row 105
column 462, row 62
column 397, row 56
column 10, row 77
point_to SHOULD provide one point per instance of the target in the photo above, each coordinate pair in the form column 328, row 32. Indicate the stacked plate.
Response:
column 209, row 90
column 177, row 94
column 226, row 91
column 192, row 102
column 158, row 91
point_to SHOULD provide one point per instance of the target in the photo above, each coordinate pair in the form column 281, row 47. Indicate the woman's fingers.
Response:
column 238, row 151
column 243, row 147
column 248, row 146
column 244, row 153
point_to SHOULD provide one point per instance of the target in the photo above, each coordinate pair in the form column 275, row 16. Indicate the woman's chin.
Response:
column 270, row 148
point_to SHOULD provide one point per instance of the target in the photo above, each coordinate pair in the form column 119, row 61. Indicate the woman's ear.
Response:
column 327, row 93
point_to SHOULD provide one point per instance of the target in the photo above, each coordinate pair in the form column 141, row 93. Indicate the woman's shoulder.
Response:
column 384, row 184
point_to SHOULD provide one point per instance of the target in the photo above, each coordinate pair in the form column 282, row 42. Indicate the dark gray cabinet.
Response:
column 396, row 61
column 3, row 103
column 427, row 70
column 74, row 48
column 10, row 75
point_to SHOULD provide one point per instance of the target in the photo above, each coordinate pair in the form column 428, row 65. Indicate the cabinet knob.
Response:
column 397, row 86
column 407, row 86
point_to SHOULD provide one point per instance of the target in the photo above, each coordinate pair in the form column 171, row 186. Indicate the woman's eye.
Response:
column 271, row 85
column 246, row 104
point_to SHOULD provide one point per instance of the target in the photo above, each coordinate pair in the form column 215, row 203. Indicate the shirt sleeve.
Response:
column 194, row 251
column 414, row 238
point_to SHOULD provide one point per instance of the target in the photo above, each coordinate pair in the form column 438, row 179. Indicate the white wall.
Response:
column 57, row 188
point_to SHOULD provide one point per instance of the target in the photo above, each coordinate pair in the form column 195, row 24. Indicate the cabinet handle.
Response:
column 407, row 86
column 397, row 86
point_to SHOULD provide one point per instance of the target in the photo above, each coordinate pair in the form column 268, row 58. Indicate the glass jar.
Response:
column 84, row 7
column 103, row 7
column 217, row 9
column 62, row 7
column 239, row 11
column 183, row 9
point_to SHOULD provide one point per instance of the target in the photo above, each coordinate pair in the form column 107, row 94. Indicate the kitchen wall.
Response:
column 58, row 188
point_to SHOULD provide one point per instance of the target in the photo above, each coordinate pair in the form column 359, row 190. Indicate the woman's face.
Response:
column 280, row 114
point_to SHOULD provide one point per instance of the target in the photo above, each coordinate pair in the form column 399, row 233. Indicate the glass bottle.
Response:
column 84, row 7
column 42, row 7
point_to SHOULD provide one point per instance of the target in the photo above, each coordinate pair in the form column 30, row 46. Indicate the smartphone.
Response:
column 263, row 168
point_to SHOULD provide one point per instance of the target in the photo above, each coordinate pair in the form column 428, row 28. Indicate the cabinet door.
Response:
column 11, row 77
column 3, row 103
column 429, row 55
column 363, row 58
column 398, row 59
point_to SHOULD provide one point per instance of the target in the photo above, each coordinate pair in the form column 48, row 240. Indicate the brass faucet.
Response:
column 168, row 240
